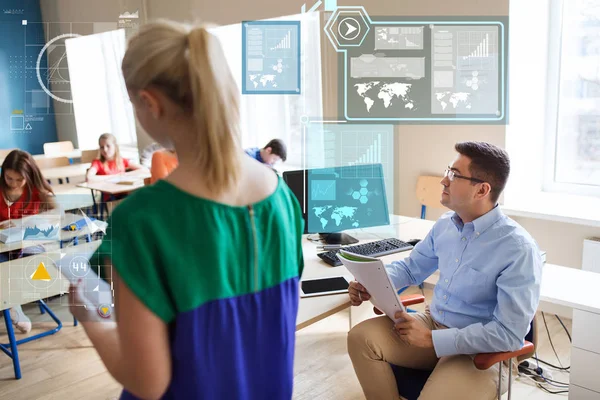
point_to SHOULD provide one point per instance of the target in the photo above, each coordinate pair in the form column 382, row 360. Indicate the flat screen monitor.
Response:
column 340, row 198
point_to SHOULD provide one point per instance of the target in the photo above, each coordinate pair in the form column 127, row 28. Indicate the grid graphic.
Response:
column 40, row 258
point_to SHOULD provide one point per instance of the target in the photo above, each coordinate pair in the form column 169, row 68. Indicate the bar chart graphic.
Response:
column 372, row 154
column 482, row 50
column 477, row 50
column 279, row 42
column 362, row 148
column 285, row 43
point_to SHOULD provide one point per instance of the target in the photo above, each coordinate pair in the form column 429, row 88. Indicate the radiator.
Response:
column 591, row 255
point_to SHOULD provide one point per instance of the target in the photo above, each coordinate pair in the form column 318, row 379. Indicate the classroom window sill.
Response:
column 559, row 207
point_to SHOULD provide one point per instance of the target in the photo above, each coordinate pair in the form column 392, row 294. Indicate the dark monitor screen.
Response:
column 296, row 181
column 340, row 198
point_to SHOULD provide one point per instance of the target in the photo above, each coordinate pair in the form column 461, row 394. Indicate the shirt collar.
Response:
column 258, row 157
column 482, row 223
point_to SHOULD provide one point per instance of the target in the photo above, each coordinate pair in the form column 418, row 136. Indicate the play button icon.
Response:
column 349, row 28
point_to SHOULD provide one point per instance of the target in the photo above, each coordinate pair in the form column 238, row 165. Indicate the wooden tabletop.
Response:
column 117, row 184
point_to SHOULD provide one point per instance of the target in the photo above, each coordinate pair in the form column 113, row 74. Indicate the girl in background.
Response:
column 109, row 161
column 24, row 192
column 205, row 264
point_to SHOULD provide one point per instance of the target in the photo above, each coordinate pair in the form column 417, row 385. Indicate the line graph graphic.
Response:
column 34, row 232
column 323, row 190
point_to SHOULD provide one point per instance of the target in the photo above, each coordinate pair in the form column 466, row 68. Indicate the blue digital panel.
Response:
column 346, row 198
column 26, row 111
column 271, row 57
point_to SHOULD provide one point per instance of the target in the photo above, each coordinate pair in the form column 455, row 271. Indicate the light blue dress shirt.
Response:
column 489, row 286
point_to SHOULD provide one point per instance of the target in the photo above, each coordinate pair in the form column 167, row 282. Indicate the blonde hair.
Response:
column 188, row 65
column 118, row 159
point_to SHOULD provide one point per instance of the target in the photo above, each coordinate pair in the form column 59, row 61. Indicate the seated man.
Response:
column 486, row 297
column 272, row 153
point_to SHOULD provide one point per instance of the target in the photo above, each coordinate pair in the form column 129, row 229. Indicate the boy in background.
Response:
column 271, row 154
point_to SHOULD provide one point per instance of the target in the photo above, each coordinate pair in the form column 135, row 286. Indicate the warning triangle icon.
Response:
column 41, row 274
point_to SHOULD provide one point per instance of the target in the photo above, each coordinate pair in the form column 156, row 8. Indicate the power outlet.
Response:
column 537, row 372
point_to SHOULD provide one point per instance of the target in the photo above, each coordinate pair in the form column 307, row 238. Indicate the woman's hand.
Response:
column 80, row 306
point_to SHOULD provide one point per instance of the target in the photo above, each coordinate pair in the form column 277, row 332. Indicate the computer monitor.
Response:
column 340, row 198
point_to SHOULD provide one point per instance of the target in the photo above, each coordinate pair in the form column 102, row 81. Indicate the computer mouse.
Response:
column 413, row 242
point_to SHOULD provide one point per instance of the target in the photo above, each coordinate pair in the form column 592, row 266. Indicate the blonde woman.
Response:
column 206, row 263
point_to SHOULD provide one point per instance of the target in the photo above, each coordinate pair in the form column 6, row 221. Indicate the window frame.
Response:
column 553, row 92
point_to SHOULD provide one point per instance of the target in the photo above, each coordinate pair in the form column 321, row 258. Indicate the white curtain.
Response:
column 101, row 104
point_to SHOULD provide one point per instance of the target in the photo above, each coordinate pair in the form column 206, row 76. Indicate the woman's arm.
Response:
column 135, row 350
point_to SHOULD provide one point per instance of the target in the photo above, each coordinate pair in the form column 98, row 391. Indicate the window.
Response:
column 265, row 117
column 573, row 113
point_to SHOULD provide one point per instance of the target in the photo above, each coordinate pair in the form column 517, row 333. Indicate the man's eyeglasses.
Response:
column 451, row 175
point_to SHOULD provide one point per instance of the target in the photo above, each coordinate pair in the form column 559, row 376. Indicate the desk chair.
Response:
column 411, row 381
column 56, row 148
column 52, row 162
column 87, row 156
column 429, row 192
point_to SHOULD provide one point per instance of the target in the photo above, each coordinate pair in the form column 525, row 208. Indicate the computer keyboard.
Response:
column 372, row 249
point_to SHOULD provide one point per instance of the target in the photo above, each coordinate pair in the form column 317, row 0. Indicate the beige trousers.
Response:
column 373, row 345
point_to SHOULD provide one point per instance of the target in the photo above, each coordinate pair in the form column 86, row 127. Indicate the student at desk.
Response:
column 206, row 263
column 109, row 161
column 24, row 192
column 484, row 302
column 271, row 154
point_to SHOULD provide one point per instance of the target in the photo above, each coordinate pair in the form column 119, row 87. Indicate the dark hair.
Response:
column 24, row 164
column 278, row 148
column 488, row 163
